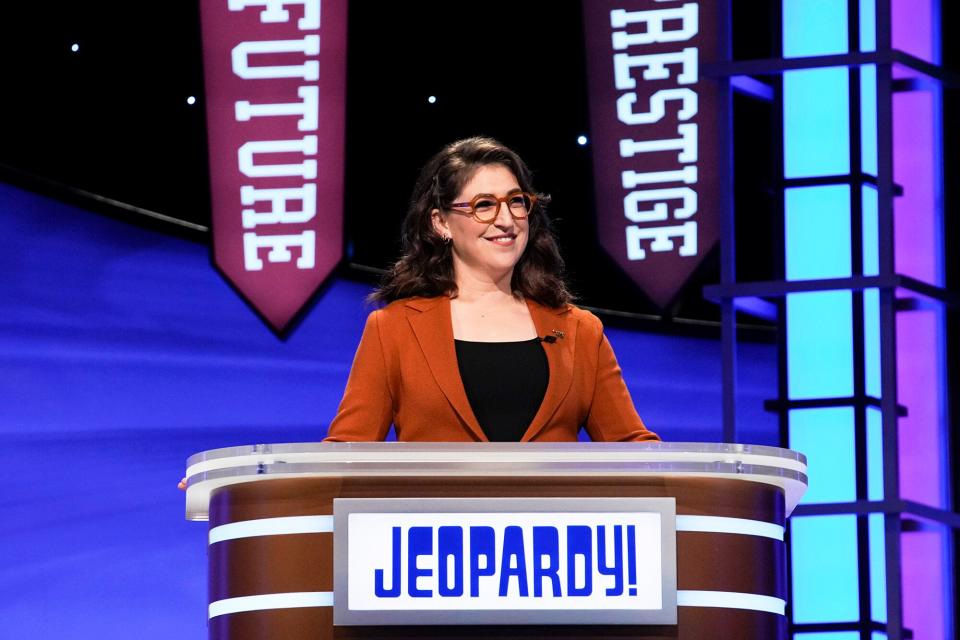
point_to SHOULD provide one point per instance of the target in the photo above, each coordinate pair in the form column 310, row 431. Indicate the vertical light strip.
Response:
column 868, row 119
column 871, row 338
column 868, row 25
column 878, row 568
column 875, row 525
column 871, row 297
column 921, row 379
column 819, row 325
column 869, row 217
column 871, row 231
column 874, row 454
column 871, row 314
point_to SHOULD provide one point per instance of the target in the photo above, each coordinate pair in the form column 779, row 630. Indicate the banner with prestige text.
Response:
column 655, row 137
column 275, row 78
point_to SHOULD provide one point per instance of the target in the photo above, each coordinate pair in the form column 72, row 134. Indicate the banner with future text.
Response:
column 275, row 76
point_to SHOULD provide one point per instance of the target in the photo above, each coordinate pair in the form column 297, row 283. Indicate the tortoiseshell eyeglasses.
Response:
column 485, row 207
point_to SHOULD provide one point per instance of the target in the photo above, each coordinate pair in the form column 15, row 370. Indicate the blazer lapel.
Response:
column 559, row 323
column 434, row 330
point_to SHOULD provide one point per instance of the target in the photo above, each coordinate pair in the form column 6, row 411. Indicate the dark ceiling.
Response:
column 110, row 126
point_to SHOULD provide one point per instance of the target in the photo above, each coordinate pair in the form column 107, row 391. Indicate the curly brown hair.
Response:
column 425, row 267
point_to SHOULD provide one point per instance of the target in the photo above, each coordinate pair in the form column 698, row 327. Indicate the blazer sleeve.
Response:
column 366, row 411
column 612, row 416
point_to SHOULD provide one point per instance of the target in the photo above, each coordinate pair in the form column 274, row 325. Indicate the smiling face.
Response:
column 487, row 251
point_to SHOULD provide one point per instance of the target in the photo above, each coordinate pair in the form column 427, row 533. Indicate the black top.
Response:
column 505, row 383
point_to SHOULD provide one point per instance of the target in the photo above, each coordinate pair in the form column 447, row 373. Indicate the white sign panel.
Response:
column 505, row 561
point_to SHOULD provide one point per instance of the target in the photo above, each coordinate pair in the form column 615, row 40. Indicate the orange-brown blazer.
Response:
column 405, row 373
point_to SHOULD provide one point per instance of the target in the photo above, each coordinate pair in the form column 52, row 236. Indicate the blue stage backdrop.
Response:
column 123, row 352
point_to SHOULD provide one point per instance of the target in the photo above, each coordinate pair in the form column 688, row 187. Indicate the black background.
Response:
column 112, row 119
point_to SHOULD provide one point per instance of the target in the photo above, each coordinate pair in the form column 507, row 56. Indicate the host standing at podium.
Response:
column 478, row 340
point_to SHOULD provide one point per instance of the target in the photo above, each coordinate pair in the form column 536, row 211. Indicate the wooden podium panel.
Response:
column 747, row 565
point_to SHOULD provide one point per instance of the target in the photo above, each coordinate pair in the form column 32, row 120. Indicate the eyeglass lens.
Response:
column 487, row 208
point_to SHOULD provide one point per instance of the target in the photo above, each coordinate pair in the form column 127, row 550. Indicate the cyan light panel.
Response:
column 824, row 569
column 874, row 454
column 817, row 232
column 819, row 324
column 814, row 27
column 826, row 437
column 871, row 297
column 871, row 341
column 820, row 363
column 871, row 230
column 816, row 123
column 878, row 568
column 868, row 25
column 868, row 119
column 819, row 344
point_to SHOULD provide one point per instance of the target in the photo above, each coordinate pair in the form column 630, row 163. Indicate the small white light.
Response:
column 432, row 99
column 75, row 47
column 191, row 100
column 582, row 141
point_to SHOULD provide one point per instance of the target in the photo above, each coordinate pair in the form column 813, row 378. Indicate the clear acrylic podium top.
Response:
column 216, row 468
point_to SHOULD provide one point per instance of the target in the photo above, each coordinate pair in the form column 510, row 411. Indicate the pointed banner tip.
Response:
column 276, row 175
column 655, row 137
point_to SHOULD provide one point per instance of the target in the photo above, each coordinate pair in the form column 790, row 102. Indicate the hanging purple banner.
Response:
column 275, row 75
column 654, row 136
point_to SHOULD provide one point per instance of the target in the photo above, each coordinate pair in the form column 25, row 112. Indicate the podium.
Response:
column 271, row 529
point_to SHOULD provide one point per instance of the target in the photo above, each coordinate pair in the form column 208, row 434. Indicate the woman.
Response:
column 478, row 340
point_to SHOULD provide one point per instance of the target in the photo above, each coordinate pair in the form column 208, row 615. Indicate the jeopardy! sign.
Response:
column 654, row 135
column 275, row 77
column 505, row 561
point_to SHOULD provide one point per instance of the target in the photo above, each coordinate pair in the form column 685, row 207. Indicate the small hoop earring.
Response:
column 447, row 239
